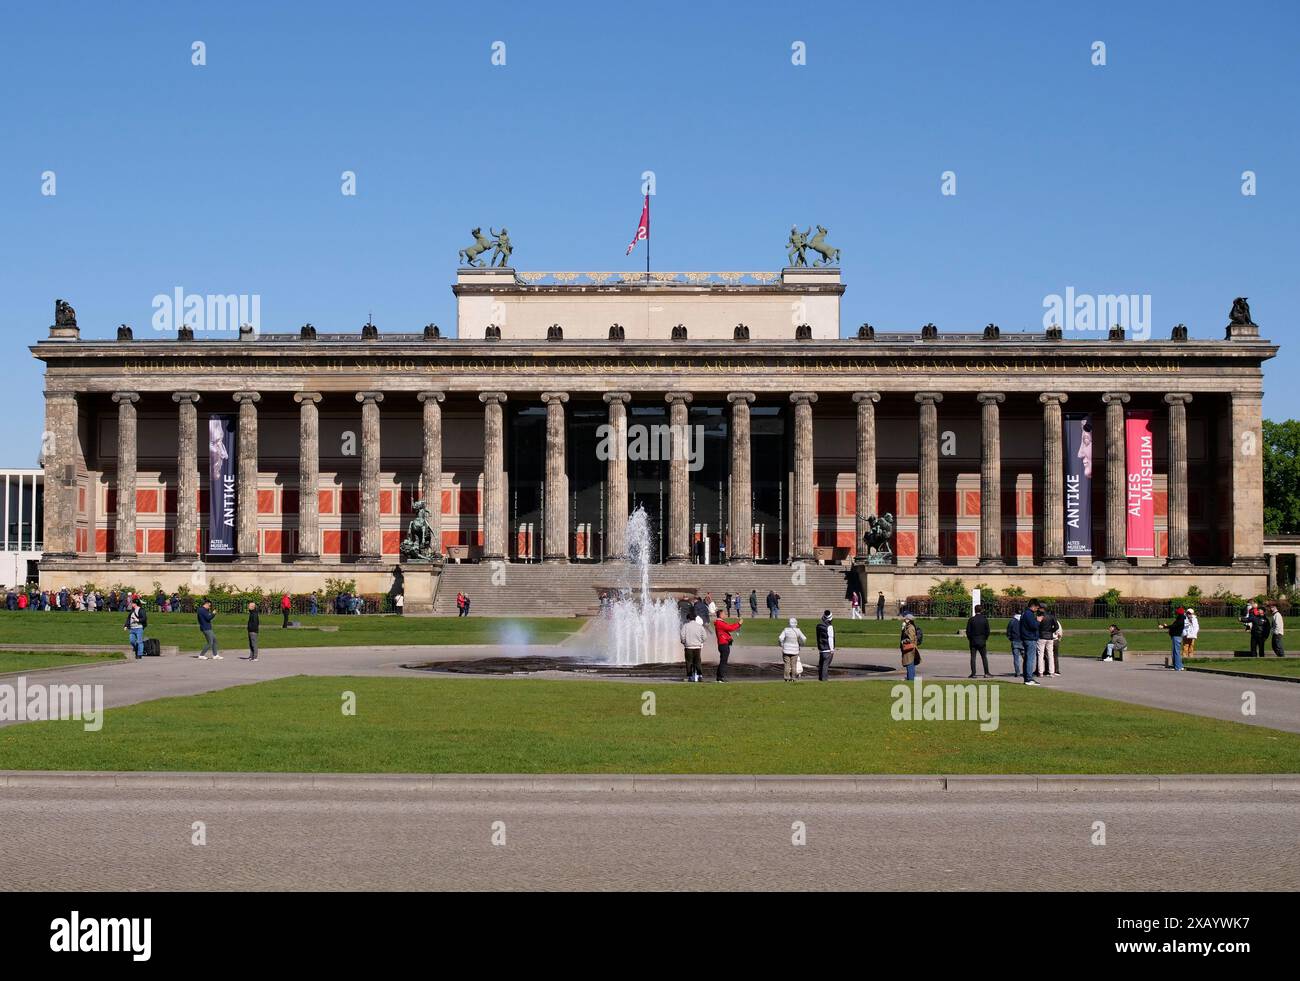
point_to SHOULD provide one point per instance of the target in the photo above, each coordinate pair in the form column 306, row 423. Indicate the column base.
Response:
column 992, row 563
column 1116, row 562
column 741, row 560
column 369, row 558
column 1055, row 562
column 802, row 558
column 1178, row 563
column 555, row 559
column 185, row 556
column 927, row 560
column 1248, row 561
column 306, row 557
column 492, row 558
column 676, row 560
column 124, row 558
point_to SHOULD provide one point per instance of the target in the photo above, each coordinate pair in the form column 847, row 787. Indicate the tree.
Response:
column 1282, row 477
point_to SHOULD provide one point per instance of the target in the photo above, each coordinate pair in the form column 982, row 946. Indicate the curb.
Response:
column 657, row 783
column 1244, row 674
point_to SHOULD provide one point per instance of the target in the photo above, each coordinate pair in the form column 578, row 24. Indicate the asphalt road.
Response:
column 141, row 839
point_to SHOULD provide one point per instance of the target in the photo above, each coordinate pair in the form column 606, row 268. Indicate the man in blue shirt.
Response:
column 1029, row 637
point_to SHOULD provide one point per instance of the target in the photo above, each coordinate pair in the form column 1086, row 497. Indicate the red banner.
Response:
column 1141, row 502
column 643, row 229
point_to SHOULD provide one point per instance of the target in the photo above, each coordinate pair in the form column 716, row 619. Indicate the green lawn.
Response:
column 467, row 725
column 1083, row 638
column 30, row 660
column 1282, row 667
column 181, row 629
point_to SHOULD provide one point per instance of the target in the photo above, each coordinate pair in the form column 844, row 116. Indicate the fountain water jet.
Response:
column 641, row 629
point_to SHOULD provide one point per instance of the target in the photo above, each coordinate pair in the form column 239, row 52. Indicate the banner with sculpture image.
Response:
column 1140, row 495
column 223, row 499
column 1078, row 484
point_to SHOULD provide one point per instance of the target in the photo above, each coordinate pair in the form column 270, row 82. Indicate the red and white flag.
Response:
column 643, row 229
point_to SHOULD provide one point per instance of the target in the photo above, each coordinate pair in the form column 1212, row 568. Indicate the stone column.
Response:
column 556, row 546
column 1247, row 479
column 865, row 471
column 927, row 550
column 372, row 545
column 246, row 495
column 1116, row 480
column 1176, row 481
column 990, row 477
column 494, row 476
column 59, row 458
column 185, row 543
column 1053, row 480
column 126, row 464
column 616, row 480
column 804, row 523
column 308, row 476
column 741, row 513
column 431, row 467
column 679, row 487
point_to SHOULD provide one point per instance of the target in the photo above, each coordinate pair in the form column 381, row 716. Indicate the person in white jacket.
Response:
column 1191, row 629
column 790, row 639
column 694, row 637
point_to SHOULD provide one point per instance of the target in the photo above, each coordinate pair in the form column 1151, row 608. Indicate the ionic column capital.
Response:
column 622, row 397
column 247, row 397
column 933, row 397
column 486, row 397
column 302, row 397
column 433, row 395
column 370, row 397
column 682, row 397
column 1178, row 398
column 1114, row 397
column 1060, row 398
column 866, row 396
column 120, row 397
column 559, row 397
column 190, row 397
column 804, row 397
column 746, row 397
column 990, row 398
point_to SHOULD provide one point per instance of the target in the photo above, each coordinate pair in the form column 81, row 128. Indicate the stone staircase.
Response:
column 568, row 590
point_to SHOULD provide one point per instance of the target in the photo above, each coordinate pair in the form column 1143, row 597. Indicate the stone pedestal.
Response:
column 418, row 582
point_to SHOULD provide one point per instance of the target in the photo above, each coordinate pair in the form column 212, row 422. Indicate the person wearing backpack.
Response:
column 1017, row 644
column 825, row 645
column 1029, row 635
column 136, row 621
column 977, row 637
column 909, row 644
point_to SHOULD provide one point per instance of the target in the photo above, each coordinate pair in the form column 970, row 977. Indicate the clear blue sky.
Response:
column 226, row 178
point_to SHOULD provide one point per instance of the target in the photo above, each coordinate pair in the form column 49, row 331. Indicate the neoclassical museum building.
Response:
column 728, row 405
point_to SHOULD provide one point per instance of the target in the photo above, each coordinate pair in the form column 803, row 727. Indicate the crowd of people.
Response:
column 1034, row 635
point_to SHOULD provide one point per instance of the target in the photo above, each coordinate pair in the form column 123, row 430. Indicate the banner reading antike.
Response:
column 1078, row 484
column 223, row 502
column 1141, row 503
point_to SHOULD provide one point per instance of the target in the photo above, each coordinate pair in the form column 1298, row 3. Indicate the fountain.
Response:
column 640, row 628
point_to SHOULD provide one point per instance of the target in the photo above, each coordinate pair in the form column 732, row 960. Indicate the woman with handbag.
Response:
column 909, row 646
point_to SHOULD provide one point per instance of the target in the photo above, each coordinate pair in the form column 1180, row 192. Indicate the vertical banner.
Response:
column 1140, row 491
column 1078, row 484
column 223, row 500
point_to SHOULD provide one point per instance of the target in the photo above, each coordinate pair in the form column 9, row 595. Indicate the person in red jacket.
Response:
column 285, row 606
column 724, row 629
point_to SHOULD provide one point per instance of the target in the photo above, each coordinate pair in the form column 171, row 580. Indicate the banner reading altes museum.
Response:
column 1140, row 445
column 224, row 497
